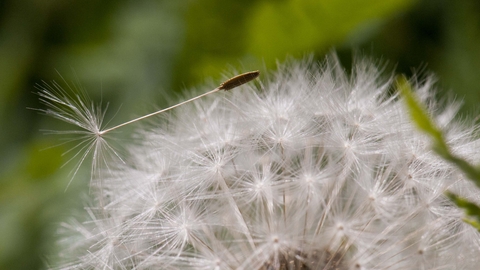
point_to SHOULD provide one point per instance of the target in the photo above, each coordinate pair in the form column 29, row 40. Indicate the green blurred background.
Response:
column 142, row 54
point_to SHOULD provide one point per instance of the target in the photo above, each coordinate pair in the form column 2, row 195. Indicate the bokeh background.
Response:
column 138, row 55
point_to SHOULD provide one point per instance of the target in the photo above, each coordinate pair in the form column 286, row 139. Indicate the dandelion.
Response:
column 310, row 169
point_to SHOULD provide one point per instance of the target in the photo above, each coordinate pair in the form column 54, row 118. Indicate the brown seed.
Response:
column 239, row 80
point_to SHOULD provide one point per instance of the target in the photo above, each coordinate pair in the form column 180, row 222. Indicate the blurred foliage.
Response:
column 472, row 211
column 260, row 33
column 439, row 36
column 143, row 53
column 422, row 120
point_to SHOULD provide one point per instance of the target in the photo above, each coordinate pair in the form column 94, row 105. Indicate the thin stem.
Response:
column 158, row 112
column 226, row 85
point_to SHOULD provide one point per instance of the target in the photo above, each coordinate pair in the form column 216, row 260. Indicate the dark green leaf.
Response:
column 472, row 211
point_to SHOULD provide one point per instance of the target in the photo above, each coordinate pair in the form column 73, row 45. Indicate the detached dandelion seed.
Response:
column 77, row 110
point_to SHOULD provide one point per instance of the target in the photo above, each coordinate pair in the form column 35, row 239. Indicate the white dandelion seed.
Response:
column 79, row 111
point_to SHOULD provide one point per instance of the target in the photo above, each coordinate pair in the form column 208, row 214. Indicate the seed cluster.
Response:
column 317, row 170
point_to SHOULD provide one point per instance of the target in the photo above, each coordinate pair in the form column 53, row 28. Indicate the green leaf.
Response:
column 418, row 113
column 296, row 27
column 423, row 121
column 421, row 118
column 254, row 34
column 472, row 211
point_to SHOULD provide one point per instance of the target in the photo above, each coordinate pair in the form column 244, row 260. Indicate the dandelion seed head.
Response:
column 316, row 169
